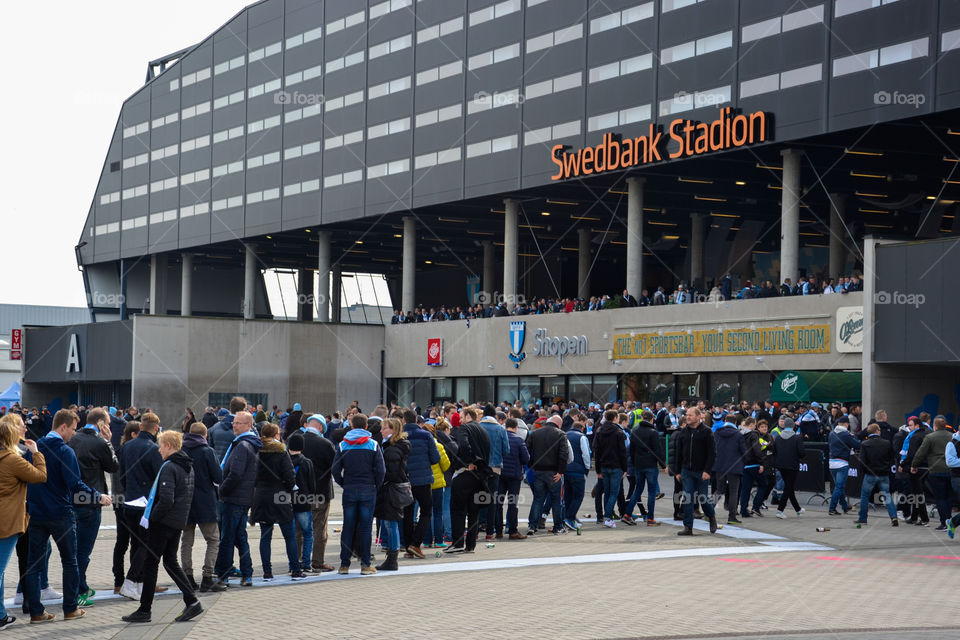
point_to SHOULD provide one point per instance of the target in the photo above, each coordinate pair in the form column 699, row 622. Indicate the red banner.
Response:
column 16, row 343
column 434, row 352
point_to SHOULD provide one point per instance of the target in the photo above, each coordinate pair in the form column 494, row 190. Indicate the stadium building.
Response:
column 550, row 148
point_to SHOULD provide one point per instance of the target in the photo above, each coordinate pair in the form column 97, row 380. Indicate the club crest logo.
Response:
column 518, row 330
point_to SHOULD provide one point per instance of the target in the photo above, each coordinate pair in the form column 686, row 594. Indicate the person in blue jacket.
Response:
column 358, row 468
column 499, row 448
column 423, row 454
column 841, row 443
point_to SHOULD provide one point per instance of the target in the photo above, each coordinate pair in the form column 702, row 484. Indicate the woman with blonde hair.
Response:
column 15, row 473
column 396, row 448
column 434, row 536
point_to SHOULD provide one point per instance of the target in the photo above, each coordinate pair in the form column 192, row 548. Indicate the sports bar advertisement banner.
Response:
column 759, row 341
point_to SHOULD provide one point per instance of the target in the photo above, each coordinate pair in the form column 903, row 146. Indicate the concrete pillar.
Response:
column 634, row 236
column 868, row 383
column 488, row 286
column 511, row 250
column 335, row 294
column 158, row 284
column 408, row 295
column 583, row 263
column 323, row 276
column 186, row 284
column 790, row 216
column 249, row 283
column 305, row 295
column 838, row 252
column 697, row 234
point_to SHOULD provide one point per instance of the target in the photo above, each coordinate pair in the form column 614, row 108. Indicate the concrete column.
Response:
column 186, row 284
column 488, row 285
column 408, row 295
column 335, row 294
column 697, row 234
column 158, row 284
column 249, row 283
column 583, row 263
column 790, row 216
column 868, row 383
column 634, row 236
column 511, row 250
column 323, row 276
column 838, row 252
column 305, row 295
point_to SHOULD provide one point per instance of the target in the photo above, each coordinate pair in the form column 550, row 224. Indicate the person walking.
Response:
column 696, row 454
column 731, row 450
column 876, row 458
column 321, row 452
column 207, row 475
column 916, row 499
column 423, row 454
column 396, row 452
column 50, row 506
column 273, row 501
column 359, row 469
column 842, row 444
column 123, row 541
column 932, row 454
column 753, row 469
column 787, row 453
column 16, row 472
column 648, row 458
column 165, row 516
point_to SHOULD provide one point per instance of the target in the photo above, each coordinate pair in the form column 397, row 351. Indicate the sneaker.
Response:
column 628, row 519
column 950, row 528
column 801, row 512
column 653, row 523
column 268, row 576
column 942, row 527
column 896, row 523
column 298, row 575
column 660, row 495
column 129, row 590
column 18, row 598
column 713, row 524
column 6, row 621
column 418, row 553
column 367, row 571
column 923, row 523
column 440, row 545
column 599, row 520
column 137, row 616
column 859, row 522
column 746, row 515
column 343, row 571
column 734, row 521
column 452, row 549
column 499, row 535
column 570, row 524
column 610, row 524
column 764, row 507
column 833, row 512
column 847, row 510
column 543, row 522
column 246, row 582
column 85, row 599
column 530, row 532
column 757, row 513
column 781, row 515
column 52, row 594
column 189, row 612
column 234, row 573
column 490, row 537
column 218, row 587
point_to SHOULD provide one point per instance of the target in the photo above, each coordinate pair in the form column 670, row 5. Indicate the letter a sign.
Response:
column 73, row 355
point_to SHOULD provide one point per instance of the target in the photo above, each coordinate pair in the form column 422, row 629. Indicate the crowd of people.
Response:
column 413, row 479
column 723, row 290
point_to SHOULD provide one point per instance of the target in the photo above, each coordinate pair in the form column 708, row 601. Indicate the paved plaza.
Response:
column 767, row 578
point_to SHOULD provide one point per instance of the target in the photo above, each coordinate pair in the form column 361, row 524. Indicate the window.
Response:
column 439, row 73
column 384, row 8
column 439, row 115
column 228, row 65
column 621, row 18
column 881, row 57
column 483, row 101
column 109, row 198
column 386, row 88
column 683, row 101
column 135, row 130
column 621, row 68
column 388, row 168
column 950, row 40
column 344, row 62
column 351, row 20
column 698, row 47
column 555, row 85
column 195, row 110
column 494, row 11
column 561, row 36
column 546, row 134
column 671, row 5
column 234, row 98
column 494, row 56
column 388, row 128
column 337, row 141
column 264, row 52
column 391, row 46
column 436, row 157
column 334, row 103
column 788, row 22
column 266, row 87
column 846, row 7
column 302, row 38
column 440, row 30
column 617, row 118
column 195, row 209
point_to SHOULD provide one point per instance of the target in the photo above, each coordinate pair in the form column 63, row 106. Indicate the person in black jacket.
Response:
column 753, row 469
column 787, row 453
column 304, row 498
column 696, row 454
column 396, row 451
column 96, row 458
column 321, row 452
column 549, row 453
column 203, row 509
column 646, row 451
column 273, row 501
column 164, row 518
column 917, row 497
column 469, row 483
column 610, row 458
column 876, row 458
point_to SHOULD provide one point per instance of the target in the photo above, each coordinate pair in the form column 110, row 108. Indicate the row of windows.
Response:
column 684, row 101
column 342, row 140
column 386, row 88
column 439, row 30
column 784, row 80
column 697, row 47
column 494, row 56
column 390, row 46
column 438, row 115
column 439, row 73
column 494, row 11
column 388, row 168
column 546, row 134
column 435, row 158
column 782, row 24
column 846, row 7
column 190, row 78
column 881, row 57
column 607, row 121
column 619, row 68
column 388, row 128
column 555, row 38
column 494, row 145
column 621, row 18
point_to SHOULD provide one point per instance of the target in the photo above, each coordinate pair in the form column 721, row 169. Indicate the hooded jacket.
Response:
column 221, row 435
column 841, row 441
column 450, row 449
column 914, row 441
column 206, row 475
column 171, row 503
column 518, row 457
column 305, row 494
column 240, row 470
column 952, row 455
column 610, row 447
column 439, row 482
column 423, row 454
column 646, row 451
column 359, row 462
column 499, row 445
column 788, row 450
column 755, row 455
column 731, row 450
column 273, row 489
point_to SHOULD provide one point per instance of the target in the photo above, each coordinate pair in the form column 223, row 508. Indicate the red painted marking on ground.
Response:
column 939, row 557
column 835, row 559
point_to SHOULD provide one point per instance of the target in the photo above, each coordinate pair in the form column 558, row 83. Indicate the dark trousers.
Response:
column 468, row 493
column 64, row 534
column 510, row 494
column 728, row 485
column 494, row 524
column 789, row 482
column 131, row 518
column 120, row 547
column 413, row 534
column 752, row 476
column 162, row 544
column 88, row 528
column 917, row 498
column 940, row 483
column 573, row 488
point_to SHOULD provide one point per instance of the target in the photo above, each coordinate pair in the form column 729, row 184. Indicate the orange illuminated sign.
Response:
column 691, row 138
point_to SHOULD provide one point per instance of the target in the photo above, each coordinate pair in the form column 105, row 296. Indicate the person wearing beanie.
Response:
column 787, row 453
column 304, row 497
column 293, row 421
column 321, row 453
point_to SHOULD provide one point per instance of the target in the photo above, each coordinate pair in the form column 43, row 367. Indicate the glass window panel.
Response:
column 605, row 389
column 507, row 389
column 723, row 388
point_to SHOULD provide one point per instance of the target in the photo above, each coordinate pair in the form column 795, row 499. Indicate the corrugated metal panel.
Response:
column 15, row 316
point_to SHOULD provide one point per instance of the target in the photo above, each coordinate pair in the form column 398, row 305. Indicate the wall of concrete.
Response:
column 907, row 389
column 178, row 362
column 480, row 348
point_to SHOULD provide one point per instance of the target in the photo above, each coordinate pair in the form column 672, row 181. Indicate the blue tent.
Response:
column 10, row 396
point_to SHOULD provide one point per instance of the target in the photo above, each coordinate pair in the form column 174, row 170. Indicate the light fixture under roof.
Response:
column 585, row 218
column 694, row 180
column 740, row 183
column 769, row 167
column 567, row 202
column 863, row 194
column 545, row 213
column 857, row 152
column 709, row 199
column 457, row 220
column 858, row 174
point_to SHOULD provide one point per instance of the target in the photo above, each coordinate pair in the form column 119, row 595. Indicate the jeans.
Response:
column 211, row 536
column 574, row 485
column 304, row 523
column 695, row 488
column 288, row 529
column 650, row 477
column 611, row 489
column 434, row 531
column 64, row 534
column 390, row 534
column 23, row 550
column 88, row 527
column 839, row 495
column 447, row 524
column 414, row 533
column 510, row 492
column 752, row 476
column 882, row 483
column 358, row 505
column 161, row 545
column 233, row 533
column 320, row 514
column 544, row 486
column 940, row 483
column 7, row 545
column 493, row 488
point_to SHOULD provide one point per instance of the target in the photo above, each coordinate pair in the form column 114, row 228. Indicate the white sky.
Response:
column 67, row 68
